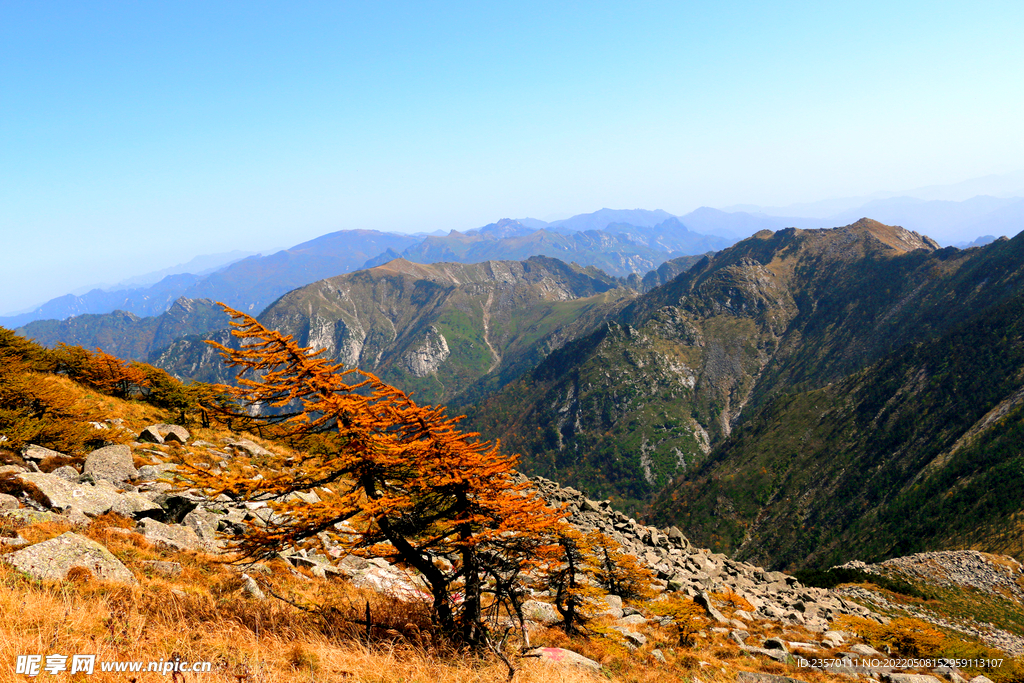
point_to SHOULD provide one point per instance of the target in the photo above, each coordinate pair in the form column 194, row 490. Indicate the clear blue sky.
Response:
column 137, row 135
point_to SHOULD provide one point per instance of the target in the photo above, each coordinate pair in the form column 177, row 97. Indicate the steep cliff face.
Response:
column 644, row 399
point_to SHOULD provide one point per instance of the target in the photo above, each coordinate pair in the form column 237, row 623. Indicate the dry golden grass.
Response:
column 201, row 615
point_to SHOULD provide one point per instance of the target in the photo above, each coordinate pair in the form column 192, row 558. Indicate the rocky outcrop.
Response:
column 697, row 572
column 998, row 576
column 427, row 357
column 112, row 463
column 53, row 559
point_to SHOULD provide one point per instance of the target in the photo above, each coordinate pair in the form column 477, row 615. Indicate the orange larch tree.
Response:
column 394, row 479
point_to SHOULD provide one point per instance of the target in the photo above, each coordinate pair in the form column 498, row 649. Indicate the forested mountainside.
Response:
column 923, row 450
column 447, row 331
column 657, row 391
column 125, row 334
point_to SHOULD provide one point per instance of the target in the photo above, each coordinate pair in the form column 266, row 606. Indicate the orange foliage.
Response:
column 395, row 480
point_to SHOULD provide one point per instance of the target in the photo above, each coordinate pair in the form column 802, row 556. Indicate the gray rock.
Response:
column 24, row 516
column 632, row 620
column 112, row 463
column 154, row 472
column 756, row 677
column 632, row 637
column 58, row 494
column 162, row 567
column 37, row 453
column 892, row 677
column 865, row 650
column 777, row 655
column 704, row 600
column 151, row 435
column 832, row 639
column 67, row 473
column 659, row 656
column 612, row 607
column 250, row 448
column 8, row 502
column 171, row 535
column 204, row 523
column 136, row 506
column 76, row 517
column 54, row 558
column 775, row 644
column 561, row 657
column 541, row 612
column 251, row 588
column 173, row 433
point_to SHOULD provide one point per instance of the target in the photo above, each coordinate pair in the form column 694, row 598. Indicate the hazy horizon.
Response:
column 139, row 137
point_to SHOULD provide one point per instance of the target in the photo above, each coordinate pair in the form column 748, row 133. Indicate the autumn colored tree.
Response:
column 620, row 573
column 35, row 407
column 394, row 479
column 100, row 370
column 189, row 401
column 571, row 578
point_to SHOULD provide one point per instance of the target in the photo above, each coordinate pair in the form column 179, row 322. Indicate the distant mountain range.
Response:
column 252, row 283
column 801, row 397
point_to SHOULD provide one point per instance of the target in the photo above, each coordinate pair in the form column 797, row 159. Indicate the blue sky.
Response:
column 136, row 135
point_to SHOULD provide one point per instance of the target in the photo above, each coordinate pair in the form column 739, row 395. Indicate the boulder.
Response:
column 162, row 567
column 26, row 516
column 204, row 523
column 59, row 494
column 865, row 650
column 632, row 620
column 54, row 558
column 562, row 657
column 633, row 638
column 111, row 463
column 154, row 472
column 8, row 502
column 67, row 473
column 541, row 612
column 38, row 453
column 704, row 600
column 151, row 435
column 892, row 677
column 250, row 448
column 170, row 535
column 173, row 433
column 612, row 607
column 136, row 506
column 251, row 588
column 757, row 677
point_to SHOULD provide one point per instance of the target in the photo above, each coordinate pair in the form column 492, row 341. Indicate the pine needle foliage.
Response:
column 394, row 479
column 571, row 579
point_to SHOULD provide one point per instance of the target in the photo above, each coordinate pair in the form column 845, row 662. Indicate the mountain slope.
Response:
column 638, row 403
column 125, row 334
column 921, row 451
column 446, row 331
